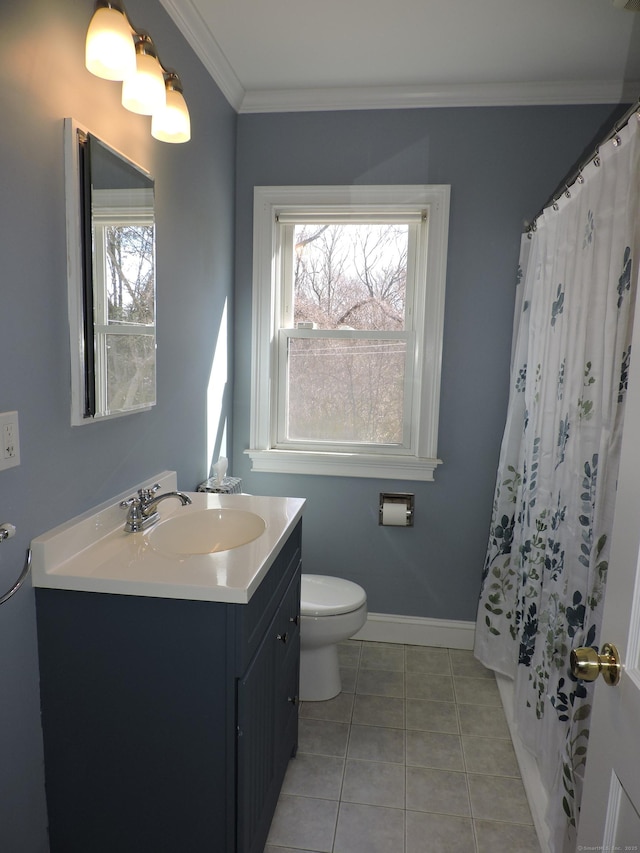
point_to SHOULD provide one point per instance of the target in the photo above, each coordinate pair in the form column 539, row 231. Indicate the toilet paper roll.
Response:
column 394, row 514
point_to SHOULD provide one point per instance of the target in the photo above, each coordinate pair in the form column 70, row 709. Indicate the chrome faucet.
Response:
column 143, row 507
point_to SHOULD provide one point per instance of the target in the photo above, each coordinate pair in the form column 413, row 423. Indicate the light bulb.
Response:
column 143, row 92
column 172, row 124
column 110, row 51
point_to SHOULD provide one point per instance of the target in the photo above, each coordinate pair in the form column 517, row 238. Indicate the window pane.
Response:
column 350, row 276
column 130, row 274
column 131, row 371
column 346, row 390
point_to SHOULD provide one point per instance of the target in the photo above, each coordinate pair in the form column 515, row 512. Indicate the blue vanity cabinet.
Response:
column 168, row 724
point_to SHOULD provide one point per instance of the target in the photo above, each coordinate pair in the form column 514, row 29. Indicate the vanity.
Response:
column 169, row 680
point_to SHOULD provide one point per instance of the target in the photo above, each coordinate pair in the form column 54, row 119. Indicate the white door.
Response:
column 610, row 811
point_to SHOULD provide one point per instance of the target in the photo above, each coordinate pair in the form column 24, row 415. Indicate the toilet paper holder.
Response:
column 397, row 498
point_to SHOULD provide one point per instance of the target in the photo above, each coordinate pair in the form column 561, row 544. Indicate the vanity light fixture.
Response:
column 172, row 124
column 110, row 51
column 115, row 50
column 143, row 92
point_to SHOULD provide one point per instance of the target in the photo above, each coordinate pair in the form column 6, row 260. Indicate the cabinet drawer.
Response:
column 286, row 624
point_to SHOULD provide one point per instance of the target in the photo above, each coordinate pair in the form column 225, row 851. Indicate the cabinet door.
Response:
column 287, row 715
column 267, row 718
column 287, row 626
column 256, row 750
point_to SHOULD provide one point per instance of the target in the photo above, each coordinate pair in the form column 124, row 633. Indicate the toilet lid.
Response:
column 326, row 596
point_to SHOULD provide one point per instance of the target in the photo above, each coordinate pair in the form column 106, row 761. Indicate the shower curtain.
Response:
column 546, row 566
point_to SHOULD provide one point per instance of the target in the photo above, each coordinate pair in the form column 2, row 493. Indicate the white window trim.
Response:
column 268, row 202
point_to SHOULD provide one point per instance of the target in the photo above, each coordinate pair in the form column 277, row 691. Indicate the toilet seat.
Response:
column 322, row 595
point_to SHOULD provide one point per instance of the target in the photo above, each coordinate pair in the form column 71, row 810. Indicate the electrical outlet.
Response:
column 9, row 434
column 9, row 440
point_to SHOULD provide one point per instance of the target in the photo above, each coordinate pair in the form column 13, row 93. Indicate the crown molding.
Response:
column 416, row 97
column 198, row 35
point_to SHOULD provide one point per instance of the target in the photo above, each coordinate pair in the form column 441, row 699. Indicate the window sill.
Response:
column 343, row 464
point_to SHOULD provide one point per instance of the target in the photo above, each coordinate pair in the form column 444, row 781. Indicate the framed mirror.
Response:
column 111, row 288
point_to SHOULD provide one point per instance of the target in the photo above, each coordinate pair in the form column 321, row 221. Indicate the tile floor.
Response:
column 414, row 756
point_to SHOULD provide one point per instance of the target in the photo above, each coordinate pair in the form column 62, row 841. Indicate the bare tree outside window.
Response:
column 346, row 376
column 130, row 273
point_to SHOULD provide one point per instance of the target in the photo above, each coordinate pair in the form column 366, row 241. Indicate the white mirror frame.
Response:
column 75, row 284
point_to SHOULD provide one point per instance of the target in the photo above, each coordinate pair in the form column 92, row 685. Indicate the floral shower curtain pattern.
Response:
column 546, row 566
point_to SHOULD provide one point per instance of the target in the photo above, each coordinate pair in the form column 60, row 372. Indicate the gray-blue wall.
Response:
column 502, row 165
column 66, row 470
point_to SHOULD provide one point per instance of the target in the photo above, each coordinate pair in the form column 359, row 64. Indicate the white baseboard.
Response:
column 531, row 779
column 417, row 631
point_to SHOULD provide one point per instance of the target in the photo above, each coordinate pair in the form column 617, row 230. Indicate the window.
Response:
column 348, row 299
column 124, row 341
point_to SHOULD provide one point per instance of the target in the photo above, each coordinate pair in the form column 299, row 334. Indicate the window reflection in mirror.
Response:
column 112, row 298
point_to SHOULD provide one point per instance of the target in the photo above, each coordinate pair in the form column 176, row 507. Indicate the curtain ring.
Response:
column 555, row 205
column 567, row 191
column 617, row 142
column 596, row 160
column 580, row 178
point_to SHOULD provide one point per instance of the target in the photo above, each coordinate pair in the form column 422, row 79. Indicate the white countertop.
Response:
column 92, row 553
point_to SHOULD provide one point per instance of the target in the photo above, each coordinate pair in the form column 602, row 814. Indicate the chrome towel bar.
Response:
column 6, row 531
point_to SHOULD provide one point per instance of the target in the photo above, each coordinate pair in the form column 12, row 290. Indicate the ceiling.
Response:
column 353, row 54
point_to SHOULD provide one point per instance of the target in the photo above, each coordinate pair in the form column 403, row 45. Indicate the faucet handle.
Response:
column 130, row 502
column 147, row 494
column 135, row 516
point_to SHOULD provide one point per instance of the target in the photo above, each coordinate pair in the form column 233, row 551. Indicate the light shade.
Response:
column 172, row 123
column 143, row 92
column 110, row 51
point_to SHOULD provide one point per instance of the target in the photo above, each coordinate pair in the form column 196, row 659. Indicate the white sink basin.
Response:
column 206, row 531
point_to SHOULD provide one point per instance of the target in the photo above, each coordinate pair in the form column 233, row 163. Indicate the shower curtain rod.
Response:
column 575, row 175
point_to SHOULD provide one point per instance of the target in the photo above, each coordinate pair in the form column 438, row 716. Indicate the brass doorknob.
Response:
column 587, row 664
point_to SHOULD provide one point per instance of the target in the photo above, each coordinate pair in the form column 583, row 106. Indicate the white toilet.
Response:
column 331, row 610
